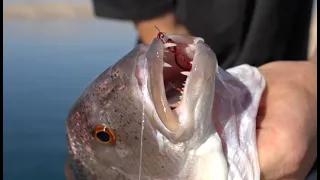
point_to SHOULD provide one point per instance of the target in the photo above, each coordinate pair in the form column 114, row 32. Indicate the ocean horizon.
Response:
column 47, row 64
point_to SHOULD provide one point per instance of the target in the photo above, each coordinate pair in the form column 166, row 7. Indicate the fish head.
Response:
column 145, row 114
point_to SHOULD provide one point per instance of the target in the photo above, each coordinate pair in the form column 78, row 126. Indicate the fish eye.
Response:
column 104, row 135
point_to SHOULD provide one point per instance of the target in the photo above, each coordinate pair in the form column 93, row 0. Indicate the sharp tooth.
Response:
column 197, row 40
column 191, row 62
column 192, row 47
column 186, row 73
column 166, row 45
column 166, row 64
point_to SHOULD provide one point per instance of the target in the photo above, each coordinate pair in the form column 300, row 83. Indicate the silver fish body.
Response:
column 180, row 143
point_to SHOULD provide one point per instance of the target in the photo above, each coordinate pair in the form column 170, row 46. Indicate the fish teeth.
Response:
column 166, row 45
column 186, row 73
column 197, row 40
column 166, row 64
column 192, row 47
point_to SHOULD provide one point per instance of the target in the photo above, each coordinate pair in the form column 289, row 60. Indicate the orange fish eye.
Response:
column 104, row 135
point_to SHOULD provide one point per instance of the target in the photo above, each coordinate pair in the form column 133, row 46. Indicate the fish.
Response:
column 166, row 111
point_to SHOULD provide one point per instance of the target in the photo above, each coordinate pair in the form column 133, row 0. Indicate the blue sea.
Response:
column 47, row 64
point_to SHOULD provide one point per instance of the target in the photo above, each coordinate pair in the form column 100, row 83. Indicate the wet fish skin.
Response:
column 116, row 98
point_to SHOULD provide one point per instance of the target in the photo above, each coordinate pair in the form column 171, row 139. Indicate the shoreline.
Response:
column 47, row 10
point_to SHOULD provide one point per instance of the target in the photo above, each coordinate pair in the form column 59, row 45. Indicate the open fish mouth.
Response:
column 180, row 69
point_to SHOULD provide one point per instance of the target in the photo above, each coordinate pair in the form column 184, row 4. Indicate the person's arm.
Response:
column 144, row 13
column 166, row 23
column 137, row 10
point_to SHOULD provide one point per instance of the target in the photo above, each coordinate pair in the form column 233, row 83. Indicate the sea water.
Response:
column 47, row 64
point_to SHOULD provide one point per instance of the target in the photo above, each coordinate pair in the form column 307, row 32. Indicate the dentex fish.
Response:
column 166, row 111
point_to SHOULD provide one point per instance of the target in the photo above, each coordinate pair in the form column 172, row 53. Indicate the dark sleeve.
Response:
column 135, row 10
column 313, row 173
column 297, row 45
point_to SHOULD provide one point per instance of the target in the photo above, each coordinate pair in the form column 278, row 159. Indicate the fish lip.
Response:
column 186, row 115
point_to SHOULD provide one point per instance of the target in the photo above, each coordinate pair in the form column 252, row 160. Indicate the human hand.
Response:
column 166, row 23
column 287, row 120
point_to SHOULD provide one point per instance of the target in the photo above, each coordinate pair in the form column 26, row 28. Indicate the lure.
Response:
column 173, row 49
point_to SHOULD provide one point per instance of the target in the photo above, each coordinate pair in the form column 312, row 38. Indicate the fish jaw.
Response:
column 111, row 99
column 194, row 110
column 119, row 96
column 116, row 98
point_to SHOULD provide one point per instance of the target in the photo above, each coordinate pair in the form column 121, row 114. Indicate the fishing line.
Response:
column 143, row 119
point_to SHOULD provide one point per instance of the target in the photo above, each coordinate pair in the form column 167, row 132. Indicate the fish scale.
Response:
column 214, row 105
